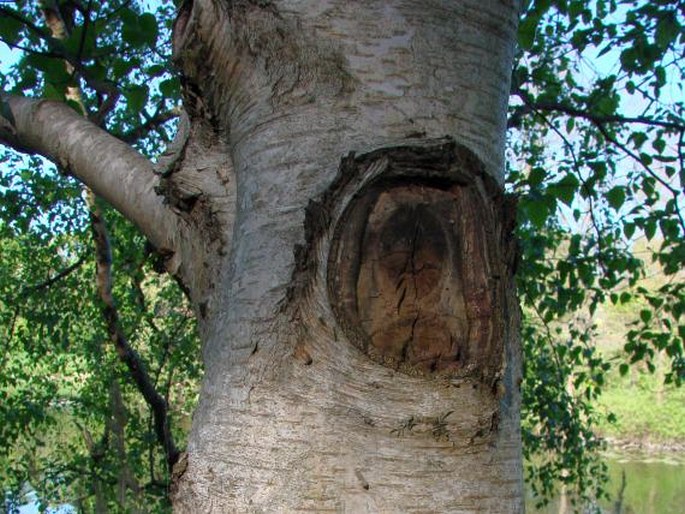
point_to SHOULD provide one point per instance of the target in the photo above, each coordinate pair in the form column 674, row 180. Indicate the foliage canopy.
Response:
column 595, row 155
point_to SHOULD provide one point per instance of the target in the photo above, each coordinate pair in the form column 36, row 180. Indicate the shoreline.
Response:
column 646, row 447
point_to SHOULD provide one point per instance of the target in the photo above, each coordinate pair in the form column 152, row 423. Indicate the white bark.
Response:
column 292, row 416
column 113, row 169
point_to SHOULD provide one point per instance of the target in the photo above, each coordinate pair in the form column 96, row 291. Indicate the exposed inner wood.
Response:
column 409, row 293
column 417, row 260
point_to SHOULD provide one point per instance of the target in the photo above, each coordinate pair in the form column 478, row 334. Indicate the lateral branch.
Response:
column 590, row 116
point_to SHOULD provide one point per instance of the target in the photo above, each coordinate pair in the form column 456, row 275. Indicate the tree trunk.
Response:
column 335, row 212
column 359, row 318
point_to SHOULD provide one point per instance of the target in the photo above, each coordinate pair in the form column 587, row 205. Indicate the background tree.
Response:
column 596, row 160
column 596, row 124
column 75, row 426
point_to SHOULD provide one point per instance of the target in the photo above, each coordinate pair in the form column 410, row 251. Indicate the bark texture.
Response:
column 361, row 343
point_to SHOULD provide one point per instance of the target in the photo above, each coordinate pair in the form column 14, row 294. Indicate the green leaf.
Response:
column 53, row 68
column 52, row 93
column 607, row 105
column 616, row 197
column 659, row 145
column 78, row 42
column 629, row 60
column 639, row 139
column 130, row 33
column 170, row 88
column 527, row 30
column 565, row 189
column 537, row 212
column 667, row 30
column 147, row 24
column 156, row 70
column 660, row 74
column 536, row 176
column 650, row 229
column 570, row 124
column 121, row 67
column 136, row 97
column 128, row 16
column 646, row 158
column 10, row 30
column 140, row 30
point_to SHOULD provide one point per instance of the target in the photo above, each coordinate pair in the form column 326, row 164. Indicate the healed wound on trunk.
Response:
column 419, row 252
column 407, row 296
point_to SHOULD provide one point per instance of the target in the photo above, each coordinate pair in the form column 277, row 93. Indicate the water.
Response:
column 653, row 485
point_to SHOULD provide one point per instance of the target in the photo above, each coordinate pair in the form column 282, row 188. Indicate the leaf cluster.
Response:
column 74, row 429
column 596, row 153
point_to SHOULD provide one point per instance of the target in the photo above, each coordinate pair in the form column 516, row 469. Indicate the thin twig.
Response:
column 549, row 339
column 86, row 24
column 57, row 47
column 649, row 170
column 600, row 122
column 52, row 280
column 591, row 210
column 593, row 117
column 151, row 123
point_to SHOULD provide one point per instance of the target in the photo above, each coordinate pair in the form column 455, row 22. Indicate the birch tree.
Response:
column 333, row 206
column 334, row 209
